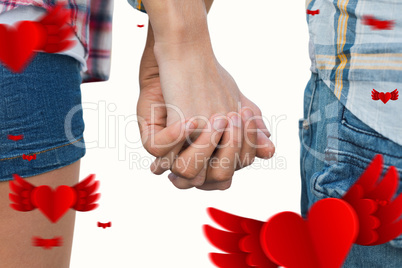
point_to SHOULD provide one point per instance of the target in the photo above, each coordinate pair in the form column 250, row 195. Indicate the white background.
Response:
column 264, row 45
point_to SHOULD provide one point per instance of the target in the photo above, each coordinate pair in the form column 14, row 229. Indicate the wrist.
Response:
column 186, row 40
column 178, row 22
column 180, row 50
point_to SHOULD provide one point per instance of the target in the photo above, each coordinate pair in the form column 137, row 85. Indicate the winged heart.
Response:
column 377, row 24
column 47, row 243
column 49, row 34
column 22, row 40
column 373, row 201
column 28, row 157
column 385, row 97
column 104, row 225
column 15, row 137
column 313, row 12
column 53, row 203
column 366, row 215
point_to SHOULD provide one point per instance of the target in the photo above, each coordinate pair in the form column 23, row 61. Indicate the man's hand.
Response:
column 185, row 81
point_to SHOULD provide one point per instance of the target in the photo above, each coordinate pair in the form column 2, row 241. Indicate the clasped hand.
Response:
column 194, row 119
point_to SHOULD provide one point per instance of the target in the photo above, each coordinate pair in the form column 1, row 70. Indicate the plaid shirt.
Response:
column 93, row 22
column 137, row 4
column 355, row 47
column 93, row 28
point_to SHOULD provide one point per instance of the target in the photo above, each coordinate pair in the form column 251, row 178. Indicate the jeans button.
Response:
column 305, row 124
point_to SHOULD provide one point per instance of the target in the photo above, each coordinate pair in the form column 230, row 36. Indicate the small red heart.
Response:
column 385, row 97
column 29, row 157
column 21, row 41
column 15, row 137
column 140, row 25
column 53, row 203
column 323, row 240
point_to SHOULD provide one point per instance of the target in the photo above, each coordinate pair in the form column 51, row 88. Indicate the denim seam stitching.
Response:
column 54, row 148
column 352, row 156
column 346, row 124
column 362, row 146
column 316, row 179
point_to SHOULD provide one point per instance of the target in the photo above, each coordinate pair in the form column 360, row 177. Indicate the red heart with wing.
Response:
column 385, row 97
column 50, row 34
column 53, row 204
column 323, row 240
column 22, row 40
column 368, row 214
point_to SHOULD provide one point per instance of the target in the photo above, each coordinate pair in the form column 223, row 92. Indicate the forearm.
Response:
column 208, row 4
column 151, row 39
column 178, row 23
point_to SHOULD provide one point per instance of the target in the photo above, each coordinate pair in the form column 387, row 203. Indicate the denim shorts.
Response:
column 336, row 147
column 41, row 106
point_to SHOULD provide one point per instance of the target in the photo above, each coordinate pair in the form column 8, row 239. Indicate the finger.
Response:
column 265, row 148
column 224, row 185
column 158, row 140
column 248, row 150
column 161, row 164
column 261, row 125
column 183, row 183
column 223, row 164
column 190, row 162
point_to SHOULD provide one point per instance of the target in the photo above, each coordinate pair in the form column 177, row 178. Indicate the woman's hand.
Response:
column 188, row 105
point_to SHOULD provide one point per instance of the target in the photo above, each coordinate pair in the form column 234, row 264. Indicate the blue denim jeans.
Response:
column 336, row 147
column 43, row 104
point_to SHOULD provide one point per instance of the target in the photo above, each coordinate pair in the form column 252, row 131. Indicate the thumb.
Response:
column 160, row 140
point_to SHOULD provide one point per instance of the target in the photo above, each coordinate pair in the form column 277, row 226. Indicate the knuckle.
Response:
column 236, row 140
column 186, row 173
column 174, row 134
column 198, row 181
column 222, row 176
column 182, row 186
column 225, row 186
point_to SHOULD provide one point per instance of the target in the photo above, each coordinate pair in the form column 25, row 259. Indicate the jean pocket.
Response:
column 356, row 146
column 353, row 123
column 340, row 172
column 336, row 179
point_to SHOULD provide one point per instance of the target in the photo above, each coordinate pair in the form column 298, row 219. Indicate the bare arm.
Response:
column 179, row 69
column 178, row 25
